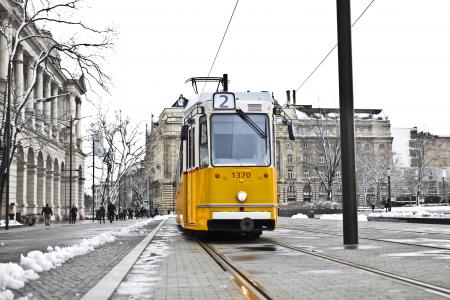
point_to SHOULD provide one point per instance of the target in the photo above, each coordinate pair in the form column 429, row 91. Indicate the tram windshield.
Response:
column 234, row 142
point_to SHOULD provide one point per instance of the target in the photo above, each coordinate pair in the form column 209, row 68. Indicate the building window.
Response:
column 338, row 174
column 381, row 146
column 322, row 188
column 305, row 144
column 306, row 173
column 289, row 158
column 291, row 189
column 290, row 174
column 321, row 159
column 305, row 159
column 289, row 145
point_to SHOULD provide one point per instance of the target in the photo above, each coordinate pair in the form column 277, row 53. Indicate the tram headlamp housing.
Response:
column 241, row 196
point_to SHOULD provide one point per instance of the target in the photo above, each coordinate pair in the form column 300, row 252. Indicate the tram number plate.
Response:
column 241, row 174
column 224, row 100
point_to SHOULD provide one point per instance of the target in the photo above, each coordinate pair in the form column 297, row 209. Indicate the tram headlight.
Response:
column 241, row 196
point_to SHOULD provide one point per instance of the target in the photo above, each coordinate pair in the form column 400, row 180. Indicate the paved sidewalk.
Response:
column 77, row 275
column 173, row 266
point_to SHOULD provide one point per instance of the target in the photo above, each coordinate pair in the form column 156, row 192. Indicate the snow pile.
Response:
column 299, row 216
column 14, row 276
column 361, row 218
column 433, row 212
column 10, row 223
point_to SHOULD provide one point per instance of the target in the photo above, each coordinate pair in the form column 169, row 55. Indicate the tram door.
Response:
column 189, row 183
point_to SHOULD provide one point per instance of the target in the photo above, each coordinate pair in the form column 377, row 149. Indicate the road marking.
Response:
column 108, row 284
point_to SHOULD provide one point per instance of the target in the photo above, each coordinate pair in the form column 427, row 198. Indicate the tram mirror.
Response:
column 276, row 111
column 184, row 131
column 291, row 132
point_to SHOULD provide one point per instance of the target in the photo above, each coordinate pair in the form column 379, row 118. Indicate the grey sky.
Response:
column 401, row 53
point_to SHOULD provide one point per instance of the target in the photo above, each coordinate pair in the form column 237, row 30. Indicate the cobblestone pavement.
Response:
column 174, row 266
column 16, row 241
column 76, row 276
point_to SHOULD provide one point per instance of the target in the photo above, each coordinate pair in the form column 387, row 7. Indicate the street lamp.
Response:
column 444, row 175
column 389, row 189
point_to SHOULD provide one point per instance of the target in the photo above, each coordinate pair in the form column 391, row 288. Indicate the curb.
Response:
column 108, row 284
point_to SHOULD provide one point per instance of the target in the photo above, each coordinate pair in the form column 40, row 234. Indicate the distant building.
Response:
column 163, row 143
column 299, row 181
column 436, row 165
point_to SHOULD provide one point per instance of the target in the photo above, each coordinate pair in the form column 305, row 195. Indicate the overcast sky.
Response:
column 401, row 53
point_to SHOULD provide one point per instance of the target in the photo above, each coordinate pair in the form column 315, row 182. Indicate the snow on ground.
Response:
column 11, row 223
column 339, row 217
column 14, row 276
column 299, row 216
column 434, row 212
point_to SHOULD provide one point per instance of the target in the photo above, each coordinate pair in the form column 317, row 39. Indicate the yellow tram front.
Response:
column 226, row 174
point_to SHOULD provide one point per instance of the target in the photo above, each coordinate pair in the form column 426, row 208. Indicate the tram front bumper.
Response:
column 241, row 221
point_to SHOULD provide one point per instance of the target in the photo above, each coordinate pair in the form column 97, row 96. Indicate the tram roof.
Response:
column 246, row 96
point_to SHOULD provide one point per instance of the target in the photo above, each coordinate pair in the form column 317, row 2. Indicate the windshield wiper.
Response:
column 262, row 134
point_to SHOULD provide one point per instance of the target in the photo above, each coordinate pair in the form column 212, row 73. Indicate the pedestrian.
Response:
column 156, row 210
column 130, row 213
column 102, row 213
column 47, row 212
column 386, row 206
column 372, row 205
column 73, row 214
column 111, row 211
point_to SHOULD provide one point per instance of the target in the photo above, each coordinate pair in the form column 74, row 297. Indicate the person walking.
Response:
column 47, row 212
column 73, row 214
column 111, row 211
column 102, row 213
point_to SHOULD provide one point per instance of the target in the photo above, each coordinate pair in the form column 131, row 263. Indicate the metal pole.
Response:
column 93, row 178
column 70, row 170
column 225, row 82
column 389, row 193
column 8, row 145
column 350, row 224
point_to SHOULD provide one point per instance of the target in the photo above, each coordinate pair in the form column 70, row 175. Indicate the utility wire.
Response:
column 221, row 42
column 332, row 49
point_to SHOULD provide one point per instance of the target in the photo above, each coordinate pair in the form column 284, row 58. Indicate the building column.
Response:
column 62, row 196
column 21, row 200
column 49, row 188
column 39, row 94
column 31, row 188
column 4, row 56
column 54, row 112
column 56, row 199
column 47, row 91
column 29, row 109
column 78, row 116
column 19, row 79
column 41, row 182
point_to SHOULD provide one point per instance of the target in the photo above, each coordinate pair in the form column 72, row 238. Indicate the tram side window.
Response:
column 203, row 157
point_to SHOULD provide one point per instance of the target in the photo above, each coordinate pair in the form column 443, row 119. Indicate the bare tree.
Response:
column 372, row 173
column 123, row 151
column 423, row 152
column 325, row 156
column 26, row 21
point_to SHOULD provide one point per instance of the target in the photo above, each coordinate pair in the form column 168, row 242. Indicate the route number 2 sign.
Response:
column 224, row 100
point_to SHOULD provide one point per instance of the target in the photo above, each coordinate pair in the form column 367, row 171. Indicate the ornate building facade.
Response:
column 40, row 168
column 317, row 140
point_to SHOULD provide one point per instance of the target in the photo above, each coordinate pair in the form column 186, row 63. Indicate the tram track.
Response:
column 248, row 286
column 369, row 239
column 424, row 286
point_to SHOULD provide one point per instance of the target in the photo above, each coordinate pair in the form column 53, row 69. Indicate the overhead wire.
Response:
column 332, row 49
column 221, row 42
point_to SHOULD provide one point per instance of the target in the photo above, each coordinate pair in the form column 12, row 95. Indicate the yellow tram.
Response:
column 226, row 176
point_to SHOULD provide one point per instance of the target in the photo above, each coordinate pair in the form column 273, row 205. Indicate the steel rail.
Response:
column 372, row 239
column 427, row 287
column 248, row 286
